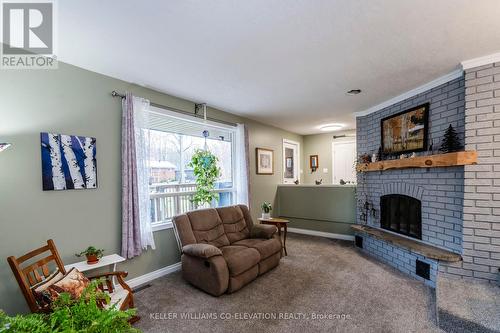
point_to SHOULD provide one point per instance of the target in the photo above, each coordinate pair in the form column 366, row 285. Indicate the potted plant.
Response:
column 207, row 172
column 83, row 315
column 93, row 255
column 266, row 210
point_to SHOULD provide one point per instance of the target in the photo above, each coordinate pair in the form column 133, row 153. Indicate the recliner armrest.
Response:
column 201, row 250
column 263, row 231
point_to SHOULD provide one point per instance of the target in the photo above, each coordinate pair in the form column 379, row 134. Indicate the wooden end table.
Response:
column 279, row 223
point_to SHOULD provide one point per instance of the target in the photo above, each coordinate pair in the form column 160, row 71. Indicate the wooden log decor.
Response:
column 431, row 161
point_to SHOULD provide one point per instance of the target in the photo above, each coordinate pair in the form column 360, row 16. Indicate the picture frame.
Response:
column 264, row 159
column 406, row 131
column 68, row 162
column 313, row 162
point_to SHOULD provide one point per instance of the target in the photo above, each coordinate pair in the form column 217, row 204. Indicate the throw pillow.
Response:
column 39, row 290
column 74, row 283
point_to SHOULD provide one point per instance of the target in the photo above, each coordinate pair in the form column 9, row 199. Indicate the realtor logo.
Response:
column 28, row 35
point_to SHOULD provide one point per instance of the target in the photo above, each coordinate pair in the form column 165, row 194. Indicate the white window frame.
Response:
column 283, row 160
column 167, row 224
column 340, row 141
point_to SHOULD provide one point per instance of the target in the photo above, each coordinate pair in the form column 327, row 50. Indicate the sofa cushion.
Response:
column 234, row 223
column 239, row 281
column 269, row 263
column 207, row 227
column 239, row 258
column 266, row 247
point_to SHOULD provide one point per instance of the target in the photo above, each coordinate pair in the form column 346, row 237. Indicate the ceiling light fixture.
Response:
column 331, row 127
column 353, row 92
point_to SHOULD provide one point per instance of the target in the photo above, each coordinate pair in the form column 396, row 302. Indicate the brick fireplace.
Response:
column 450, row 208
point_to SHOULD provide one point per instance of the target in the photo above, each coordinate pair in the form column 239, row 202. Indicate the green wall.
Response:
column 321, row 145
column 75, row 101
column 327, row 208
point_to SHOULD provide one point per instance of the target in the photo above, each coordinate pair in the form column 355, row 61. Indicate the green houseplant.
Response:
column 83, row 315
column 266, row 210
column 206, row 171
column 92, row 253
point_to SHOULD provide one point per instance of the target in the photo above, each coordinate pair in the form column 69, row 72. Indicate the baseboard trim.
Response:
column 148, row 277
column 321, row 234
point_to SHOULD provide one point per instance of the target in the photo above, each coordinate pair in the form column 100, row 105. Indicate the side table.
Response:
column 279, row 223
column 108, row 260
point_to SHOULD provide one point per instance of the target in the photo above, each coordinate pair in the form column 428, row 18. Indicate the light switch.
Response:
column 325, row 170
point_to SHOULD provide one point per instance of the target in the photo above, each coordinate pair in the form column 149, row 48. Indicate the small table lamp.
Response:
column 4, row 146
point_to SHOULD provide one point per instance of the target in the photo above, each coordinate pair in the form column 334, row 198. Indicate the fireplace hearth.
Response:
column 401, row 214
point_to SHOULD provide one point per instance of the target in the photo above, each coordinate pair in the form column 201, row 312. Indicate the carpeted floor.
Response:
column 318, row 277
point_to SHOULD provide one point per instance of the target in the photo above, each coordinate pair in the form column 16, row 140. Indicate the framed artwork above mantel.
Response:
column 406, row 131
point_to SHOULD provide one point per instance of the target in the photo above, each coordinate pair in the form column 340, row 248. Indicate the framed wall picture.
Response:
column 68, row 162
column 405, row 132
column 265, row 161
column 313, row 162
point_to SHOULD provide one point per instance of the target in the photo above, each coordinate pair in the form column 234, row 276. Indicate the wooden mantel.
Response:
column 430, row 161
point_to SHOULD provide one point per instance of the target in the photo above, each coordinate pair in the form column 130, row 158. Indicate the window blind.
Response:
column 171, row 124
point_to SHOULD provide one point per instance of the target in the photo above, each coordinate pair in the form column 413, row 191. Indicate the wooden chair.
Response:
column 37, row 271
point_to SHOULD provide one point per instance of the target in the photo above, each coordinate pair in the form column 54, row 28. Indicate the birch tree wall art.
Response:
column 68, row 162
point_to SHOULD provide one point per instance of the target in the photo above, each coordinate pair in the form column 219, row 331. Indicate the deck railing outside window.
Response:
column 169, row 200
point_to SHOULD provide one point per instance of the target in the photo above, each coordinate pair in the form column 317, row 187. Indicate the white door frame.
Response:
column 283, row 160
column 343, row 140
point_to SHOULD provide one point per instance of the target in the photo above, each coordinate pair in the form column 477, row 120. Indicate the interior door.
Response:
column 344, row 156
column 290, row 161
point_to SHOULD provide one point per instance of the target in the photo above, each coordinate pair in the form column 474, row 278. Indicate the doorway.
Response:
column 291, row 164
column 343, row 161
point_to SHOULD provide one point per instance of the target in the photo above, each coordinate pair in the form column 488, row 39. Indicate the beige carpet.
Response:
column 353, row 293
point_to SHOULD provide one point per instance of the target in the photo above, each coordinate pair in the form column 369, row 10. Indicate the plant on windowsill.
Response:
column 206, row 172
column 266, row 210
column 84, row 315
column 93, row 254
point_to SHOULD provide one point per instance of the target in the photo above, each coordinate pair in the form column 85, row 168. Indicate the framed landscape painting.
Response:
column 68, row 162
column 406, row 131
column 265, row 161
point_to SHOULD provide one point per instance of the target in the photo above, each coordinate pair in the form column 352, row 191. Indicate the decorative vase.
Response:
column 92, row 259
column 266, row 215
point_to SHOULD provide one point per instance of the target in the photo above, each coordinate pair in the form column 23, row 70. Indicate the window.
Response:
column 173, row 140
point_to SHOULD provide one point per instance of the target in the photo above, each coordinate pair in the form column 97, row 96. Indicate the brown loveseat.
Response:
column 222, row 250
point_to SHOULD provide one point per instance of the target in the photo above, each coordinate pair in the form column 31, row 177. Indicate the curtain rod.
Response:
column 114, row 93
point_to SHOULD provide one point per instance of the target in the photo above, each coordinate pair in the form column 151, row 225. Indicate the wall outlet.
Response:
column 325, row 170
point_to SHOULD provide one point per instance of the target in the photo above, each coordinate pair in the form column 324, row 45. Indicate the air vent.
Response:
column 423, row 269
column 354, row 92
column 358, row 240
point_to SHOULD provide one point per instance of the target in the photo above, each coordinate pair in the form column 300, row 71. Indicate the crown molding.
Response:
column 427, row 86
column 476, row 62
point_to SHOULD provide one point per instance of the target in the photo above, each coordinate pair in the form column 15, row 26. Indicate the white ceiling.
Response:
column 283, row 62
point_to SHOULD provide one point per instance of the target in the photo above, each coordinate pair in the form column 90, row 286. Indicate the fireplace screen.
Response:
column 402, row 214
